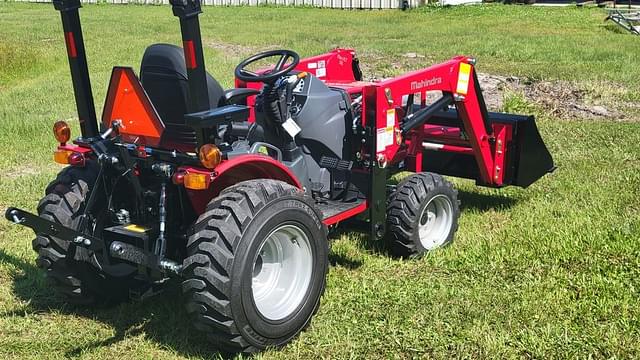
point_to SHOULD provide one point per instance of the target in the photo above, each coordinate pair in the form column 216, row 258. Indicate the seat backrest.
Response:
column 163, row 74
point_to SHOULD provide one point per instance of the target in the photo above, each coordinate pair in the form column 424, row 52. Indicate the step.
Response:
column 334, row 211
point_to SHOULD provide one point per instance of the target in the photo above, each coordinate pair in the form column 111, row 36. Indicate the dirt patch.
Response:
column 20, row 172
column 376, row 66
column 560, row 99
column 236, row 50
column 231, row 50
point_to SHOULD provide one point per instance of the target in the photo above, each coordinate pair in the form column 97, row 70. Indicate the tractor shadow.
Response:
column 161, row 319
column 485, row 202
column 341, row 260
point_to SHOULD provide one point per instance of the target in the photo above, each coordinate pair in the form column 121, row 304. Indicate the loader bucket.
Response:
column 527, row 156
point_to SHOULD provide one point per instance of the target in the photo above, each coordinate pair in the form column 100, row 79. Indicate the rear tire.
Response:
column 231, row 283
column 422, row 215
column 80, row 282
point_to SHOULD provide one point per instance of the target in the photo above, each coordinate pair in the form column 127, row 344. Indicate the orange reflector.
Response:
column 62, row 156
column 464, row 74
column 62, row 132
column 210, row 156
column 127, row 101
column 195, row 181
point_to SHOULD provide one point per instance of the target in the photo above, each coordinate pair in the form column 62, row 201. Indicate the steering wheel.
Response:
column 278, row 70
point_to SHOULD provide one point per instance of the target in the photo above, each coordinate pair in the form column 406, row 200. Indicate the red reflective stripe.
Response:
column 71, row 45
column 190, row 54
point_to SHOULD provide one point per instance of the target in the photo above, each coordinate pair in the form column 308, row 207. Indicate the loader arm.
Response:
column 458, row 123
column 457, row 81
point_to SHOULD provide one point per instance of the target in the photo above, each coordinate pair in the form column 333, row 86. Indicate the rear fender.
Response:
column 241, row 168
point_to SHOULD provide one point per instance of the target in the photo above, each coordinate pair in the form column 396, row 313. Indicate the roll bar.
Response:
column 186, row 10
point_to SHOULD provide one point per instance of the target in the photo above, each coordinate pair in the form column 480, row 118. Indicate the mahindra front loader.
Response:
column 234, row 191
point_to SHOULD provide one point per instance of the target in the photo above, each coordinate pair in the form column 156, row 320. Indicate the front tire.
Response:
column 422, row 215
column 256, row 266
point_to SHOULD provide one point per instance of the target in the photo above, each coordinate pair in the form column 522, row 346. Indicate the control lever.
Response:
column 115, row 125
column 101, row 144
column 292, row 82
column 289, row 83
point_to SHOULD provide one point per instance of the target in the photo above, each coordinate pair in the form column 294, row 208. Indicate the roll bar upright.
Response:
column 78, row 64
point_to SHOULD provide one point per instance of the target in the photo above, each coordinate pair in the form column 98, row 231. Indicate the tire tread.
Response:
column 215, row 238
column 61, row 203
column 404, row 207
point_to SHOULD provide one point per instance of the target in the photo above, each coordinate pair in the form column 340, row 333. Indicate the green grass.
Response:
column 552, row 271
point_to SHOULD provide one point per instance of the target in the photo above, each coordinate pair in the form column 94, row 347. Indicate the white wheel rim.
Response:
column 435, row 222
column 282, row 272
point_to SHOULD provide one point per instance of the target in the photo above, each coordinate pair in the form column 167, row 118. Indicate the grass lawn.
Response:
column 552, row 271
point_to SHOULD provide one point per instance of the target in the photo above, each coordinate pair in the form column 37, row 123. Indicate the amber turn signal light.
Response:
column 62, row 132
column 210, row 156
column 62, row 156
column 196, row 181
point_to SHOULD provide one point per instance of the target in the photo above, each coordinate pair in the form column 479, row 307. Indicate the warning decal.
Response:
column 391, row 117
column 384, row 138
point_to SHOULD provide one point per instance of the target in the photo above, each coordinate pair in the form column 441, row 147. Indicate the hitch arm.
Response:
column 43, row 226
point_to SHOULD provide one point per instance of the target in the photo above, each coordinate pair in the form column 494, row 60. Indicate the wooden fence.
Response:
column 337, row 4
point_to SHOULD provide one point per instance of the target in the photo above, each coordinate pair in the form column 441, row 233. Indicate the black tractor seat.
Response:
column 163, row 74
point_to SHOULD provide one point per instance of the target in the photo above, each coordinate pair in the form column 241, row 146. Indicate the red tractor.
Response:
column 235, row 191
